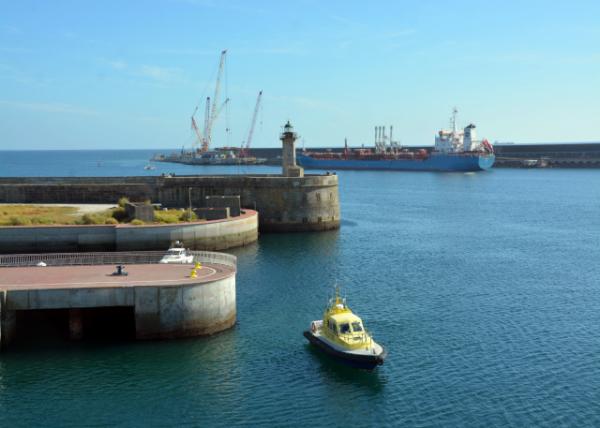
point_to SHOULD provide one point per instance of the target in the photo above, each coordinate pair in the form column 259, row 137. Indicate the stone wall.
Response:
column 285, row 204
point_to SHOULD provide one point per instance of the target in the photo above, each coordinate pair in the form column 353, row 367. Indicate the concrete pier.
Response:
column 166, row 300
column 201, row 235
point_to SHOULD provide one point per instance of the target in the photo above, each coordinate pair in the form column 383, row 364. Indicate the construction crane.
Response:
column 214, row 111
column 199, row 137
column 246, row 147
column 211, row 112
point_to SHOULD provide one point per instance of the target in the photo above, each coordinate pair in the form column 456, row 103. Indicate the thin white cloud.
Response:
column 14, row 50
column 50, row 107
column 149, row 72
column 242, row 7
column 11, row 29
column 270, row 50
column 183, row 51
column 305, row 102
column 118, row 65
column 68, row 34
column 161, row 74
column 291, row 50
column 391, row 35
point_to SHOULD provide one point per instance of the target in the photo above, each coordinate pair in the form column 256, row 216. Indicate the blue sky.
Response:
column 128, row 74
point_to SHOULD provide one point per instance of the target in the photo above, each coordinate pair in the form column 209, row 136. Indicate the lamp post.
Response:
column 190, row 203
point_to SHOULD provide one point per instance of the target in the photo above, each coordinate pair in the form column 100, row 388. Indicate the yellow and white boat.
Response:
column 342, row 335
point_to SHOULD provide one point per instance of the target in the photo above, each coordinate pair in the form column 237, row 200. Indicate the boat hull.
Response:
column 434, row 162
column 368, row 362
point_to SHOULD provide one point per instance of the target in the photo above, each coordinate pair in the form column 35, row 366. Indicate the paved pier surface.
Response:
column 63, row 277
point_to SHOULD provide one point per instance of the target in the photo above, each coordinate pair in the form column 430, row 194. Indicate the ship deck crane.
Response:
column 246, row 147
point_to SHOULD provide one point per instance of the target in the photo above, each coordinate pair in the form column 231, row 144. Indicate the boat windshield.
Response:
column 356, row 326
column 345, row 328
column 175, row 251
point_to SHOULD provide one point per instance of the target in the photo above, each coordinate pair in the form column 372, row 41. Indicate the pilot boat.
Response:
column 177, row 254
column 342, row 335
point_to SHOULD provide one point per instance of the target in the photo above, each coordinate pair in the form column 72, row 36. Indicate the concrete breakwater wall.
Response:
column 285, row 204
column 206, row 235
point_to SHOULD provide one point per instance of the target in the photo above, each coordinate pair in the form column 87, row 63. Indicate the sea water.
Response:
column 484, row 287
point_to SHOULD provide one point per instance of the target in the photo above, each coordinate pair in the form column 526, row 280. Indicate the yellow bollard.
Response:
column 197, row 265
column 193, row 274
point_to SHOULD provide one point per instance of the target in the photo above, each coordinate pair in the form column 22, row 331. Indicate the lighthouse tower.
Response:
column 288, row 139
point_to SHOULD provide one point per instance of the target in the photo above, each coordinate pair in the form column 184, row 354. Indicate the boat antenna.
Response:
column 454, row 112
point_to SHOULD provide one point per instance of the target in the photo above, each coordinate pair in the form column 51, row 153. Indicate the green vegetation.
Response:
column 123, row 201
column 24, row 215
column 119, row 214
column 28, row 215
column 173, row 216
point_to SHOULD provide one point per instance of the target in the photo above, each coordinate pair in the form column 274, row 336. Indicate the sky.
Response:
column 129, row 74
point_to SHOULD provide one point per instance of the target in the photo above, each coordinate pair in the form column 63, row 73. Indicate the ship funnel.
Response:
column 470, row 137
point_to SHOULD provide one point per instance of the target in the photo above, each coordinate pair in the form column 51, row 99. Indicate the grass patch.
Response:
column 172, row 216
column 23, row 215
column 27, row 215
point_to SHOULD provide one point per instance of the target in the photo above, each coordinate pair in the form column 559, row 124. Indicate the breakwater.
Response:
column 285, row 204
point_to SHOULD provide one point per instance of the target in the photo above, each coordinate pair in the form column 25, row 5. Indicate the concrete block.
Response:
column 294, row 171
column 144, row 212
column 212, row 213
column 231, row 202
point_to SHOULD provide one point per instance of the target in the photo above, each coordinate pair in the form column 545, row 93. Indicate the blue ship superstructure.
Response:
column 454, row 151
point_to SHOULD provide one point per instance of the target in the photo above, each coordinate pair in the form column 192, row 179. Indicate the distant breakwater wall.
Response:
column 207, row 235
column 285, row 204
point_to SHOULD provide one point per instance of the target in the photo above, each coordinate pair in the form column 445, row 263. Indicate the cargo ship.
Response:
column 454, row 150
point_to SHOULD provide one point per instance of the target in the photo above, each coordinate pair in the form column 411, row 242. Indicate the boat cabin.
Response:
column 342, row 326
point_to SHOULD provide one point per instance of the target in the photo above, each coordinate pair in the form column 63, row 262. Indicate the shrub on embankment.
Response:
column 27, row 215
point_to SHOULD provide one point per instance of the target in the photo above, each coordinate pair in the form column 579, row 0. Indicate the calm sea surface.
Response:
column 484, row 287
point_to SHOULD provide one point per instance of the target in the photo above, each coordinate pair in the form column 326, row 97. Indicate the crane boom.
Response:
column 246, row 147
column 197, row 132
column 215, row 100
column 206, row 120
column 221, row 108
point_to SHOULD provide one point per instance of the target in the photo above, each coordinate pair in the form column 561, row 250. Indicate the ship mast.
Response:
column 454, row 129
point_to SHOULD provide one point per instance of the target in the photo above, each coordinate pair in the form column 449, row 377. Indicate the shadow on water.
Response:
column 49, row 329
column 339, row 372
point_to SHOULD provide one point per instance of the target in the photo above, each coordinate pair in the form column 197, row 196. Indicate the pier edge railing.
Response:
column 109, row 258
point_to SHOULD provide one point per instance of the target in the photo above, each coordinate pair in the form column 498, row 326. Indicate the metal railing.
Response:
column 109, row 258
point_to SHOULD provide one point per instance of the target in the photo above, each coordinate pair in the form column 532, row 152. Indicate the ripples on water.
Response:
column 484, row 287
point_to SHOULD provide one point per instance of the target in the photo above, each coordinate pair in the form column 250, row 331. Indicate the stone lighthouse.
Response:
column 288, row 139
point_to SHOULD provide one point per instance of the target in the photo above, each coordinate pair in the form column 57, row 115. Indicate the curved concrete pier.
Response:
column 167, row 301
column 203, row 235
